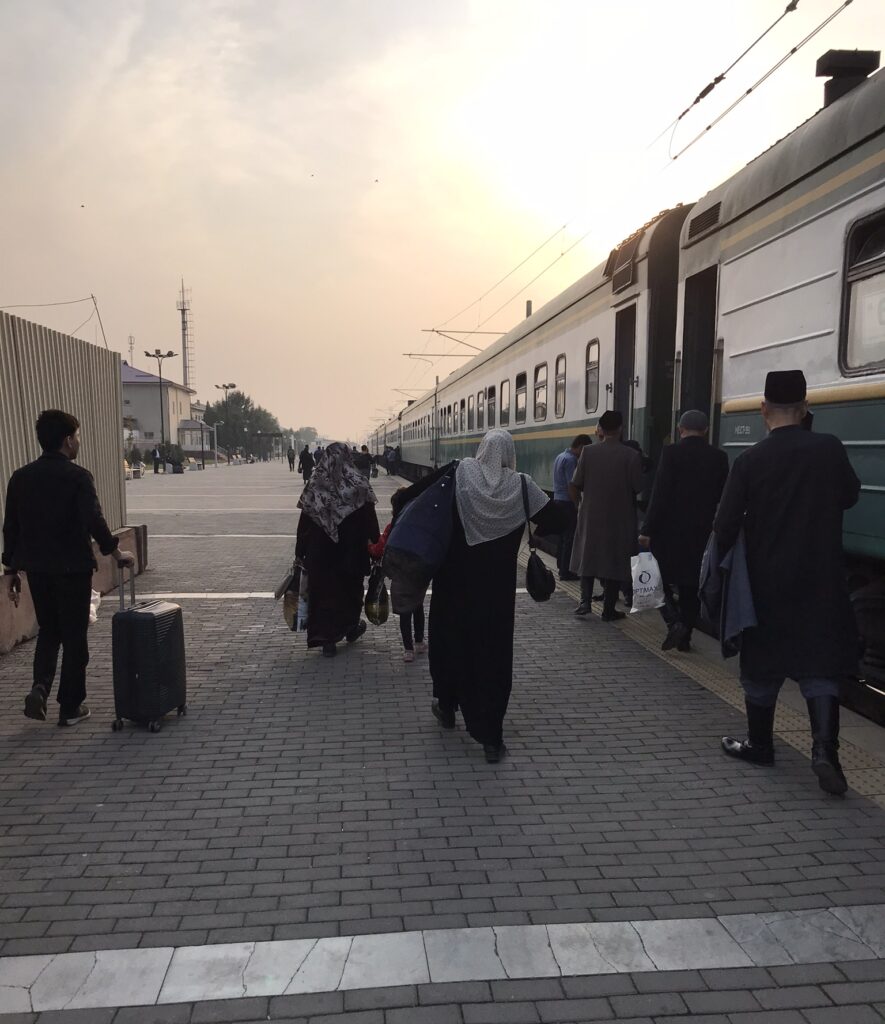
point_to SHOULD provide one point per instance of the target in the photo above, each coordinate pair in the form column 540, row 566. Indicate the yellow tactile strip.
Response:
column 866, row 772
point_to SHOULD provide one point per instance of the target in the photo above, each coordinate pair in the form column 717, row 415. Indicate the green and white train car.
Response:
column 781, row 266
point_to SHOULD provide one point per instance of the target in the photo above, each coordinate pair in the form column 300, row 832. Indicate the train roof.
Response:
column 826, row 135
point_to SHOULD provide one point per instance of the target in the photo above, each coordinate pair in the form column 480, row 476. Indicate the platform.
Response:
column 308, row 845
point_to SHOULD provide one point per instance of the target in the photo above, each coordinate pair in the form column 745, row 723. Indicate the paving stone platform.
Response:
column 307, row 799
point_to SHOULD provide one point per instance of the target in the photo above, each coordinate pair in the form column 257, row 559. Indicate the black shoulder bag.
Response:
column 539, row 580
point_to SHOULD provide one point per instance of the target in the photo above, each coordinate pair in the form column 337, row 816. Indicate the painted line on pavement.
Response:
column 198, row 595
column 148, row 977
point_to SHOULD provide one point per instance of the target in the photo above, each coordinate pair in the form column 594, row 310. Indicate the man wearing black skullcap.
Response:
column 788, row 493
column 684, row 499
column 607, row 479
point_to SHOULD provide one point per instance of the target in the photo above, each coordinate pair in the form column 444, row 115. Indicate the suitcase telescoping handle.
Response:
column 121, row 569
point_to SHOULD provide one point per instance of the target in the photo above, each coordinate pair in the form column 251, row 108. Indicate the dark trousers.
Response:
column 62, row 606
column 405, row 627
column 156, row 465
column 567, row 537
column 610, row 589
column 683, row 608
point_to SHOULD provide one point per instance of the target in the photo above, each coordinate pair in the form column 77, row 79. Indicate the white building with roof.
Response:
column 141, row 406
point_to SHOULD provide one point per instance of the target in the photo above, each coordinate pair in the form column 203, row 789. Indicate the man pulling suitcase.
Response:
column 52, row 514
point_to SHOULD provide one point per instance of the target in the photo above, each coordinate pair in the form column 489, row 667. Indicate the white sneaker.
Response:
column 421, row 648
column 408, row 655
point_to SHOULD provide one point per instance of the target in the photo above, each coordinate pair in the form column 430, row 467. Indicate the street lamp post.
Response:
column 160, row 356
column 215, row 426
column 225, row 388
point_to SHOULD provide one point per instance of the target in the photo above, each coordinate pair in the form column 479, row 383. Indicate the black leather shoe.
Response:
column 445, row 718
column 355, row 634
column 824, row 715
column 672, row 638
column 744, row 750
column 493, row 753
column 613, row 616
column 568, row 577
column 329, row 650
column 758, row 748
column 583, row 609
column 35, row 704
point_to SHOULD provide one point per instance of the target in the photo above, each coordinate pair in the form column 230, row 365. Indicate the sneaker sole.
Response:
column 64, row 723
column 35, row 708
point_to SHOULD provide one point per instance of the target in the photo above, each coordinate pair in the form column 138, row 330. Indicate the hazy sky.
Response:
column 331, row 176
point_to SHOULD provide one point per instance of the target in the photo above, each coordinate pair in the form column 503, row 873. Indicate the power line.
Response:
column 711, row 85
column 835, row 14
column 85, row 322
column 35, row 305
column 509, row 274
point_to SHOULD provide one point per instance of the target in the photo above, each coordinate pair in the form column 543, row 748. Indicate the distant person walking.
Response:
column 157, row 457
column 679, row 519
column 788, row 493
column 306, row 464
column 290, row 455
column 336, row 525
column 607, row 479
column 472, row 606
column 363, row 461
column 390, row 461
column 563, row 470
column 52, row 512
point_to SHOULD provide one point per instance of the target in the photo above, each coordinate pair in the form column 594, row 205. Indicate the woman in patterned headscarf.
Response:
column 337, row 521
column 473, row 605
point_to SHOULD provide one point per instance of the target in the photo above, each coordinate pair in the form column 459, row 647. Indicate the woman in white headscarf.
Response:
column 473, row 605
column 337, row 521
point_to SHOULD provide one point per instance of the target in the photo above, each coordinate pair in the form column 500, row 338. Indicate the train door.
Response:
column 625, row 360
column 697, row 383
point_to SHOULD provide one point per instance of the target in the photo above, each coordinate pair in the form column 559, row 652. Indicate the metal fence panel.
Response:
column 42, row 369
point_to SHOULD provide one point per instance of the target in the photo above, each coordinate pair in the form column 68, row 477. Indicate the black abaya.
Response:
column 335, row 573
column 472, row 614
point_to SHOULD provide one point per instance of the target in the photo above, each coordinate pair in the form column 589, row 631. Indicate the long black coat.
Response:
column 789, row 493
column 679, row 519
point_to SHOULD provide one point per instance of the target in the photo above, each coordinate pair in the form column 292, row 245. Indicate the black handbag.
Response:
column 539, row 580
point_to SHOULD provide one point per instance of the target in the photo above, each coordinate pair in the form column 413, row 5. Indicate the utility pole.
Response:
column 225, row 388
column 132, row 350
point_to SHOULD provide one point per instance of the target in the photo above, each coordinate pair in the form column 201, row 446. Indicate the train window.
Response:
column 505, row 403
column 480, row 410
column 541, row 392
column 559, row 386
column 521, row 389
column 863, row 329
column 591, row 377
column 491, row 403
column 448, row 419
column 470, row 414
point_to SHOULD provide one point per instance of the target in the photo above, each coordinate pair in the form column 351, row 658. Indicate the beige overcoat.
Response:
column 609, row 476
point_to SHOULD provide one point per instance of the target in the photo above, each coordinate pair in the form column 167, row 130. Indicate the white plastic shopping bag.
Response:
column 94, row 605
column 648, row 587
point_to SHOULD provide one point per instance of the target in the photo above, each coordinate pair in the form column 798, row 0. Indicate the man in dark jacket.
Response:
column 680, row 514
column 789, row 493
column 305, row 463
column 52, row 512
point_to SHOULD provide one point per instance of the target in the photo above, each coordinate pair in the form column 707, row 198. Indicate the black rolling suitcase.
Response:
column 148, row 656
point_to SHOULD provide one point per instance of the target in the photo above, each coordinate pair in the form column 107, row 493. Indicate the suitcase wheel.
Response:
column 182, row 710
column 117, row 724
column 155, row 726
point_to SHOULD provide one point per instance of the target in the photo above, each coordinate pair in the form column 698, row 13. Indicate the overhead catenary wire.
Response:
column 791, row 53
column 711, row 85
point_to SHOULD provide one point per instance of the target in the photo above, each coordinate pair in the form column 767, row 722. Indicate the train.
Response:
column 780, row 266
